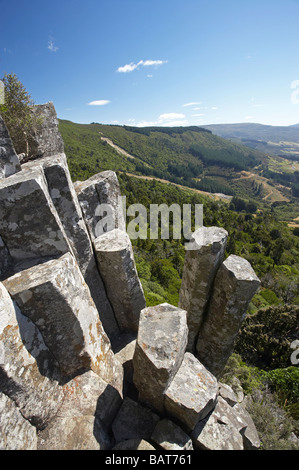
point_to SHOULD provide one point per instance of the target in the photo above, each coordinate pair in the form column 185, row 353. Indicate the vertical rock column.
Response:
column 235, row 285
column 9, row 162
column 201, row 264
column 30, row 227
column 65, row 200
column 99, row 190
column 56, row 298
column 117, row 267
column 160, row 348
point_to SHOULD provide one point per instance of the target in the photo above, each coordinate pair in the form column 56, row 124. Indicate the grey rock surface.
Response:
column 101, row 203
column 28, row 371
column 200, row 267
column 29, row 224
column 117, row 267
column 56, row 298
column 169, row 436
column 16, row 433
column 160, row 348
column 9, row 162
column 74, row 433
column 234, row 286
column 134, row 444
column 134, row 421
column 46, row 135
column 66, row 203
column 192, row 394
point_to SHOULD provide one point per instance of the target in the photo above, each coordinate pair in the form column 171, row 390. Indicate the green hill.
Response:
column 183, row 155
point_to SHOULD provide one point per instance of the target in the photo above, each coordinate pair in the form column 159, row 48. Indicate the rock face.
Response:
column 158, row 356
column 101, row 203
column 234, row 286
column 46, row 136
column 84, row 364
column 201, row 265
column 9, row 162
column 116, row 261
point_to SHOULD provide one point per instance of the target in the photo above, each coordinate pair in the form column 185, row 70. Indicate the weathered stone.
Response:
column 56, row 298
column 192, row 394
column 118, row 270
column 89, row 395
column 9, row 162
column 101, row 203
column 250, row 435
column 200, row 267
column 29, row 224
column 169, row 436
column 124, row 353
column 213, row 434
column 6, row 262
column 74, row 433
column 234, row 286
column 28, row 371
column 133, row 421
column 160, row 348
column 46, row 135
column 134, row 444
column 226, row 392
column 65, row 200
column 16, row 433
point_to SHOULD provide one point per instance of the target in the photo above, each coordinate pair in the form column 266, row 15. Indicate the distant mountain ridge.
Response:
column 274, row 140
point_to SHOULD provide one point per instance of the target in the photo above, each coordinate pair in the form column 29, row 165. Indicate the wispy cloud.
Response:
column 51, row 45
column 98, row 103
column 142, row 63
column 193, row 103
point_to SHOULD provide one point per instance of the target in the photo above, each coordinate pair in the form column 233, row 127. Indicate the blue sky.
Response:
column 156, row 62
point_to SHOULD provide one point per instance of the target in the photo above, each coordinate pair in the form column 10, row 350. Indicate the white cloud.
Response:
column 214, row 108
column 197, row 115
column 191, row 104
column 98, row 103
column 144, row 63
column 165, row 120
column 51, row 46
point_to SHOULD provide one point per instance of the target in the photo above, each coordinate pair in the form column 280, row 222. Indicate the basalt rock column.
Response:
column 9, row 162
column 235, row 285
column 192, row 394
column 56, row 298
column 100, row 200
column 160, row 348
column 30, row 227
column 29, row 373
column 201, row 264
column 65, row 200
column 117, row 267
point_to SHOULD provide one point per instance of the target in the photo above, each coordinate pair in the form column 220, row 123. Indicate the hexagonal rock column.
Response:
column 9, row 162
column 201, row 264
column 235, row 284
column 192, row 394
column 46, row 135
column 100, row 200
column 29, row 224
column 117, row 267
column 29, row 373
column 56, row 298
column 160, row 348
column 65, row 200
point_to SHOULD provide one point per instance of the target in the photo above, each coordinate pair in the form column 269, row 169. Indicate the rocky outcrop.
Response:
column 84, row 364
column 9, row 162
column 201, row 264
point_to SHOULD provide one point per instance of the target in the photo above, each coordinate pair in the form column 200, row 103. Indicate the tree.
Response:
column 17, row 115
